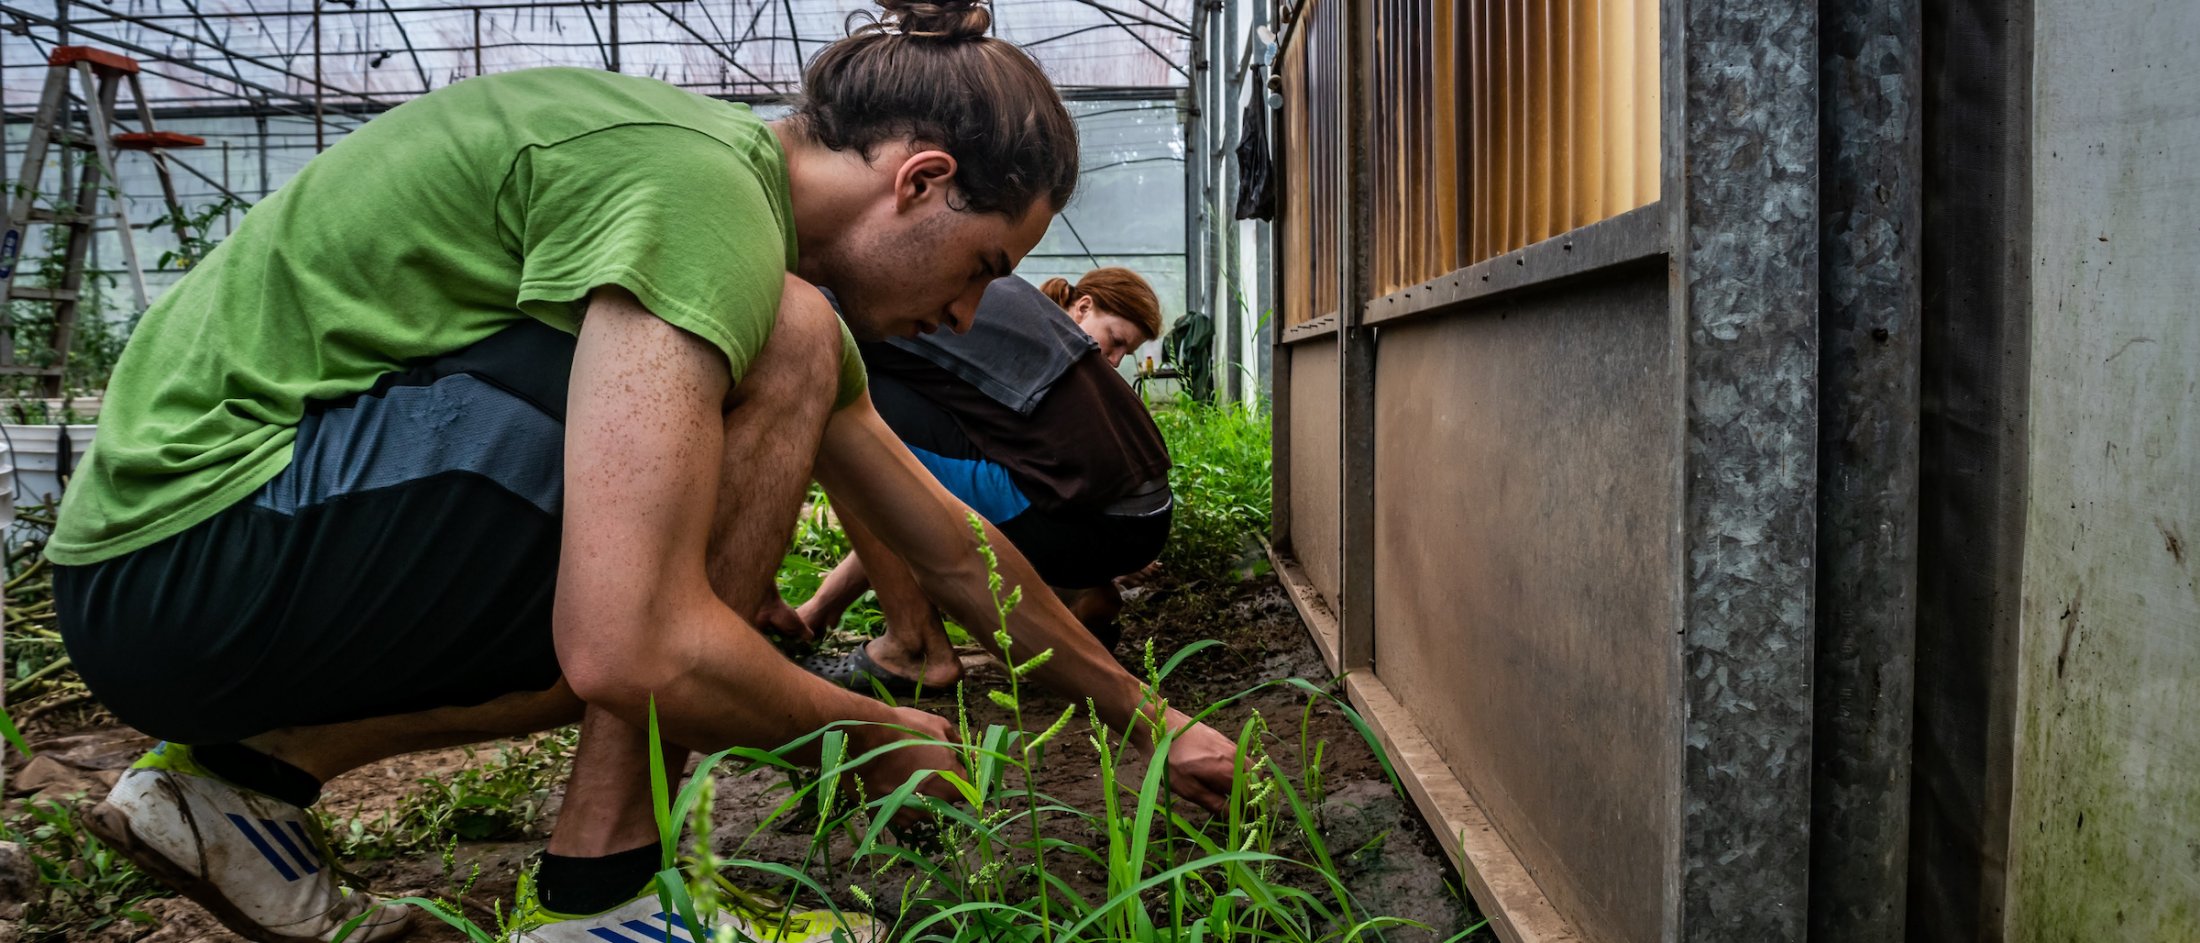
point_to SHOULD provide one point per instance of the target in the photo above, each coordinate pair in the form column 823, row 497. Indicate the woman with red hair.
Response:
column 1025, row 419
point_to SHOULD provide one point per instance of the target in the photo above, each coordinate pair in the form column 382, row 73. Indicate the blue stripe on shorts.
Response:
column 458, row 423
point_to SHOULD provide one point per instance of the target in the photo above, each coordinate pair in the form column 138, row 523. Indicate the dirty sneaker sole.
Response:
column 112, row 828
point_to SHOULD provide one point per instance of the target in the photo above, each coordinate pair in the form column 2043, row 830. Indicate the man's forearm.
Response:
column 715, row 682
column 873, row 479
column 1079, row 666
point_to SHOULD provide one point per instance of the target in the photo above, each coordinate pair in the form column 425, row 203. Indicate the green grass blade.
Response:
column 668, row 835
column 1131, row 893
column 672, row 895
column 432, row 908
column 1187, row 651
column 14, row 736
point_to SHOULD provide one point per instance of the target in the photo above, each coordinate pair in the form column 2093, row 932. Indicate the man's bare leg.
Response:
column 331, row 750
column 777, row 419
column 915, row 645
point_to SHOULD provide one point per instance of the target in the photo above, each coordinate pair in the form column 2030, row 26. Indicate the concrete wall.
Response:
column 2105, row 832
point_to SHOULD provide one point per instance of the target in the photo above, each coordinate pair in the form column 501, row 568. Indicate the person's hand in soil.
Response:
column 890, row 769
column 1202, row 763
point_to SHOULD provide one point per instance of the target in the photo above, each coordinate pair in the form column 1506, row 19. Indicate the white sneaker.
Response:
column 645, row 920
column 250, row 860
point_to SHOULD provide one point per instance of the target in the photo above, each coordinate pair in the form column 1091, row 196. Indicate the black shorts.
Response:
column 405, row 560
column 1071, row 547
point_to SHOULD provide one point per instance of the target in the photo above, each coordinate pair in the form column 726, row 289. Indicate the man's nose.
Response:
column 963, row 312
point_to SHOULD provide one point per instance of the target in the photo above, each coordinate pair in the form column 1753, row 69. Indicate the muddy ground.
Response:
column 1398, row 868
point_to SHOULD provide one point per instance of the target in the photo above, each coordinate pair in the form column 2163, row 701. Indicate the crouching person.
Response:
column 481, row 427
column 1025, row 419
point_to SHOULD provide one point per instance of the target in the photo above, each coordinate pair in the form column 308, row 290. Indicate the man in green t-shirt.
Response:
column 498, row 417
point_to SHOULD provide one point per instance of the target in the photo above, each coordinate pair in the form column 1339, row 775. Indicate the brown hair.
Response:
column 928, row 72
column 1115, row 290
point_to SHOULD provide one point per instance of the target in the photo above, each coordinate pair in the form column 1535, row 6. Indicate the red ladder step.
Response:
column 100, row 59
column 147, row 140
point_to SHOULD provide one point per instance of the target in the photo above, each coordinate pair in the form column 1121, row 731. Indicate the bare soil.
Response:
column 1386, row 855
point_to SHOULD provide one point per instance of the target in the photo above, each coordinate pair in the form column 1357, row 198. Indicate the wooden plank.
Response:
column 1314, row 612
column 1507, row 894
column 1503, row 889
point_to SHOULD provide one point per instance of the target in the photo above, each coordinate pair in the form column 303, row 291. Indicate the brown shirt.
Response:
column 1087, row 442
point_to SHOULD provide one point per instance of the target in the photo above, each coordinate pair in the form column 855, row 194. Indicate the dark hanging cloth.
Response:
column 1256, row 166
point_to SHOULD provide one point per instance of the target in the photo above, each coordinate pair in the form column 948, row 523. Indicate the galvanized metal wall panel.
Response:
column 1524, row 594
column 2105, row 825
column 1316, row 532
column 1869, row 165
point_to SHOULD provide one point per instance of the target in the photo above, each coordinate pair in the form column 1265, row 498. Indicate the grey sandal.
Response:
column 857, row 671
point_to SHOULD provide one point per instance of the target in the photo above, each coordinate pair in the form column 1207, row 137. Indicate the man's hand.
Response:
column 889, row 770
column 780, row 619
column 1202, row 762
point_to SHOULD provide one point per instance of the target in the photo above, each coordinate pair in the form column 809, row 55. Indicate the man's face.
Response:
column 918, row 271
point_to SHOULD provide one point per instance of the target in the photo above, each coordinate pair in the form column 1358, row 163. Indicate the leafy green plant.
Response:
column 198, row 240
column 502, row 799
column 995, row 865
column 1220, row 474
column 818, row 545
column 98, row 337
column 88, row 885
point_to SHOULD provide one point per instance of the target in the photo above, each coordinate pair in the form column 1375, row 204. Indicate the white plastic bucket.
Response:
column 39, row 464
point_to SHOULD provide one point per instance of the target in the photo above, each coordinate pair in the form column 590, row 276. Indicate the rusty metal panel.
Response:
column 1525, row 600
column 1315, row 529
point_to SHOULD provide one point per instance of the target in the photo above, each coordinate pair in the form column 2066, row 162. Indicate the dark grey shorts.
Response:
column 405, row 560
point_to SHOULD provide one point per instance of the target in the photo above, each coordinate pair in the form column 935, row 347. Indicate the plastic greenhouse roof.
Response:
column 259, row 55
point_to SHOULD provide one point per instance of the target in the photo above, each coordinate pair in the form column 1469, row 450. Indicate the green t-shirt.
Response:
column 431, row 227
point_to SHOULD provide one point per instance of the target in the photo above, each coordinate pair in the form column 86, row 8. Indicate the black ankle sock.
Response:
column 259, row 772
column 581, row 886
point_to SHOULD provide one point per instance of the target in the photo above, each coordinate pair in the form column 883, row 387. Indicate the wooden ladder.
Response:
column 98, row 76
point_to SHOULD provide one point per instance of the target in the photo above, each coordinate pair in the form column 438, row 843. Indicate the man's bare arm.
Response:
column 873, row 477
column 636, row 618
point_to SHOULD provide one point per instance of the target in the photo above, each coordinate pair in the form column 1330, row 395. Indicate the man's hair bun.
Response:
column 937, row 19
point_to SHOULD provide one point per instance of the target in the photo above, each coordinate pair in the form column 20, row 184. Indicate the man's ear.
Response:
column 924, row 175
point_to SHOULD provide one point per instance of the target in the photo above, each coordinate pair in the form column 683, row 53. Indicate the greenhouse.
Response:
column 1540, row 471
